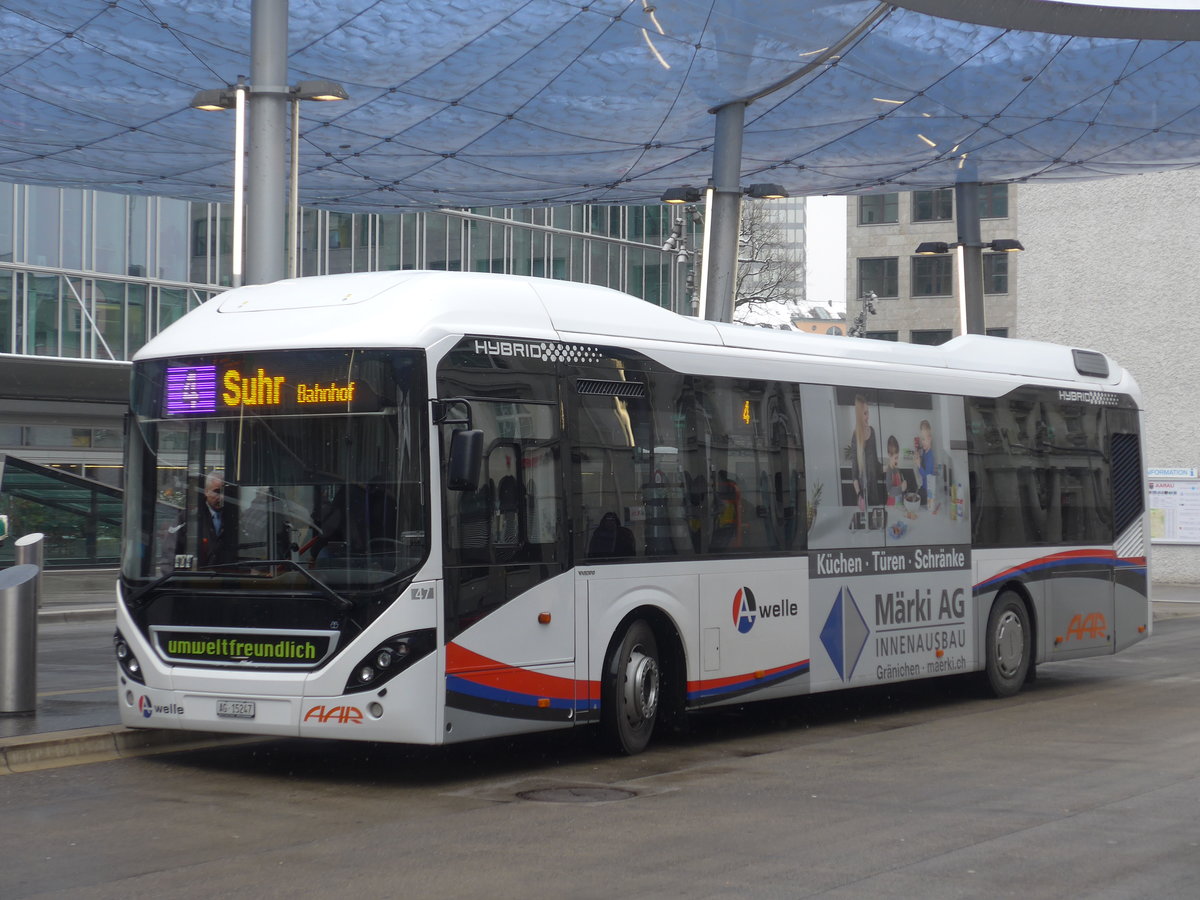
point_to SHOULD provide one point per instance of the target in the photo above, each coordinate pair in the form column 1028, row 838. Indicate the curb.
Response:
column 31, row 753
column 78, row 614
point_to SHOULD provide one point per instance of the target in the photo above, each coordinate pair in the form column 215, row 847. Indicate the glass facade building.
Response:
column 93, row 275
column 88, row 277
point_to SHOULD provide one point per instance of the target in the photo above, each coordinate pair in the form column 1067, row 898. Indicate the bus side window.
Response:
column 512, row 518
column 508, row 512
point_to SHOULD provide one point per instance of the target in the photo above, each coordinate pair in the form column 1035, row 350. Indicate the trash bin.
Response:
column 18, row 639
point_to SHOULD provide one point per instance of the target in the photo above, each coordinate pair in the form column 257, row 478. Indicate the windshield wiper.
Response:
column 341, row 603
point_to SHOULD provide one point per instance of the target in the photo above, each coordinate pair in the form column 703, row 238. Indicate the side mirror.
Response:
column 466, row 456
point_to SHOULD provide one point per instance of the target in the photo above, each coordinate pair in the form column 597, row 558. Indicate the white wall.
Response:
column 1111, row 265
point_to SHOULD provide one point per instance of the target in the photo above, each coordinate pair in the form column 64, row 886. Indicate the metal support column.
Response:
column 724, row 217
column 970, row 257
column 266, row 198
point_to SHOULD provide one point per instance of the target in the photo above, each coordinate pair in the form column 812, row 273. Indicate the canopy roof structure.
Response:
column 464, row 103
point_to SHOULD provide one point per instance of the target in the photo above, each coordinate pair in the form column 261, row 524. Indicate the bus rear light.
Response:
column 390, row 658
column 126, row 660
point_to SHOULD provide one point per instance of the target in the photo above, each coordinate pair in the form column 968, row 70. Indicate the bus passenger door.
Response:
column 510, row 624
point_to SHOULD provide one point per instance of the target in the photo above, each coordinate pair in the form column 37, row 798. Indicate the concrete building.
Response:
column 1106, row 268
column 917, row 298
column 1101, row 270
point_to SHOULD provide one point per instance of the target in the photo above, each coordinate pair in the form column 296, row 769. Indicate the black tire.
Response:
column 1008, row 645
column 632, row 689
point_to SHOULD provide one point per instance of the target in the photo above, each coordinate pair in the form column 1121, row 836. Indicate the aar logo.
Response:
column 145, row 707
column 1093, row 626
column 340, row 715
column 745, row 610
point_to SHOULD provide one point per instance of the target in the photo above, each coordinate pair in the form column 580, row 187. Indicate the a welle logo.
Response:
column 148, row 708
column 747, row 611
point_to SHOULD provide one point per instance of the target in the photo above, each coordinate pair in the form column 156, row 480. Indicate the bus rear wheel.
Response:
column 631, row 690
column 1008, row 645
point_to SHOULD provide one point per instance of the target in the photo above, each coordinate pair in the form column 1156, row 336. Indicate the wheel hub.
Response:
column 641, row 687
column 1010, row 644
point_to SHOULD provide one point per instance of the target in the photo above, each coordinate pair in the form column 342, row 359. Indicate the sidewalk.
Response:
column 76, row 718
column 78, row 596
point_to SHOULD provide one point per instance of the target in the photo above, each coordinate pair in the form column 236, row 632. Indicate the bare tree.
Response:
column 768, row 284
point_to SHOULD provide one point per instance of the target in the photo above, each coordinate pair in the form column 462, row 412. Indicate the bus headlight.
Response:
column 126, row 660
column 391, row 657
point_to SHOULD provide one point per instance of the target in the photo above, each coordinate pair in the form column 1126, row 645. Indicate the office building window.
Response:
column 933, row 206
column 879, row 209
column 932, row 336
column 932, row 276
column 881, row 275
column 884, row 335
column 995, row 273
column 997, row 332
column 993, row 201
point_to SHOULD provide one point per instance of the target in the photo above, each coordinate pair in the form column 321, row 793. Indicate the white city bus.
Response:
column 432, row 507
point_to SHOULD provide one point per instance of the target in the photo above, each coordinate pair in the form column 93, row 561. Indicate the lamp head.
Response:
column 1006, row 245
column 213, row 99
column 685, row 194
column 932, row 248
column 319, row 90
column 767, row 191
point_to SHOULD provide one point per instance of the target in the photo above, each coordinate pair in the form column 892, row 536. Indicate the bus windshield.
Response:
column 300, row 462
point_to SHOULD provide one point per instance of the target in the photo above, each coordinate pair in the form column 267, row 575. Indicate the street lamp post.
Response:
column 235, row 97
column 970, row 273
column 718, row 280
column 321, row 91
column 232, row 97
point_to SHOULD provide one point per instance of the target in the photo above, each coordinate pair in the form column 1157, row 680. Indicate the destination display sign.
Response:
column 274, row 383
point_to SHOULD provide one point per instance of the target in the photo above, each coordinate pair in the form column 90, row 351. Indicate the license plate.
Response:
column 235, row 709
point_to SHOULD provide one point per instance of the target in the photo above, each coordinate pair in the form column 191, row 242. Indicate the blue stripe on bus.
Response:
column 747, row 683
column 457, row 684
column 1046, row 565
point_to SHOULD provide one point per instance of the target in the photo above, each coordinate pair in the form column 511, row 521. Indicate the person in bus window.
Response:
column 727, row 529
column 611, row 538
column 216, row 544
column 865, row 471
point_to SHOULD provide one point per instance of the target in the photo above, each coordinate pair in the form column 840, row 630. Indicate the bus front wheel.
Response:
column 631, row 690
column 1009, row 645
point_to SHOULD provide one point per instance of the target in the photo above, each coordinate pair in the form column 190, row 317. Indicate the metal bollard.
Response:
column 31, row 549
column 18, row 639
